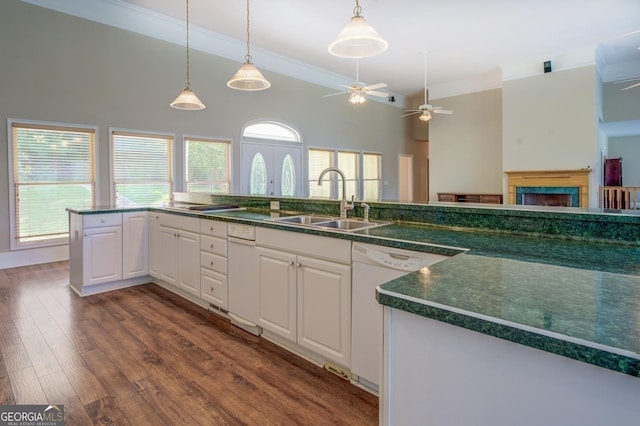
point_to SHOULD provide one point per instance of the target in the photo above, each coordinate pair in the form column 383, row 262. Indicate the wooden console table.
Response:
column 458, row 197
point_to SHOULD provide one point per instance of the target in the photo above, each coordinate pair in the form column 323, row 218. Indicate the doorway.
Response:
column 405, row 178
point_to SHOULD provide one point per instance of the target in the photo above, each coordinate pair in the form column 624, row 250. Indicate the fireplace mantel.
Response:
column 550, row 178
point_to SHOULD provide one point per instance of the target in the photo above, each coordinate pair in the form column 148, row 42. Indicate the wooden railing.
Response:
column 619, row 197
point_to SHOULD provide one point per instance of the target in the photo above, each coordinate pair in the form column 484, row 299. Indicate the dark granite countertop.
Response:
column 571, row 297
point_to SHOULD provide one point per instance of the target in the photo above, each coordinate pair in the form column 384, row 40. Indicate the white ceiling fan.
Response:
column 425, row 110
column 358, row 90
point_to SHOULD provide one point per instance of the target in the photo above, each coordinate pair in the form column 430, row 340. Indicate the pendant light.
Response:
column 187, row 100
column 248, row 77
column 358, row 39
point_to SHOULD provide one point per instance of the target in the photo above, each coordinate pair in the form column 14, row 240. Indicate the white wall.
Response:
column 59, row 68
column 465, row 148
column 627, row 147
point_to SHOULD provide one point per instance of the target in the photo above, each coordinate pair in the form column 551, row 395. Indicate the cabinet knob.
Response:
column 102, row 220
column 299, row 265
column 211, row 228
column 210, row 245
column 211, row 263
column 211, row 289
column 291, row 262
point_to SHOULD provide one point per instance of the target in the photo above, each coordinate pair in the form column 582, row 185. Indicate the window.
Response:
column 348, row 163
column 207, row 165
column 371, row 176
column 368, row 183
column 320, row 159
column 271, row 130
column 52, row 169
column 141, row 168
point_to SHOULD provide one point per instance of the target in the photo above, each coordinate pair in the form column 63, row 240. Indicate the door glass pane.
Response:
column 258, row 177
column 288, row 181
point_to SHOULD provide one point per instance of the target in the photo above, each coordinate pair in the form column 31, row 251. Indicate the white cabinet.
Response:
column 135, row 257
column 179, row 242
column 305, row 291
column 95, row 250
column 213, row 262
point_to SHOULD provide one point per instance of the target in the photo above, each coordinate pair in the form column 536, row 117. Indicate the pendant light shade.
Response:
column 248, row 77
column 358, row 39
column 187, row 100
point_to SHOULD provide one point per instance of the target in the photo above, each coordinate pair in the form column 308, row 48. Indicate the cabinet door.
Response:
column 134, row 249
column 324, row 308
column 188, row 246
column 155, row 252
column 168, row 255
column 102, row 255
column 277, row 292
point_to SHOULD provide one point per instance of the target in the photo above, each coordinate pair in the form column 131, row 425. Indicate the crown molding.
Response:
column 133, row 18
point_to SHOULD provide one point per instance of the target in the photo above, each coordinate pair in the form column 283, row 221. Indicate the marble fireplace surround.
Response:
column 541, row 181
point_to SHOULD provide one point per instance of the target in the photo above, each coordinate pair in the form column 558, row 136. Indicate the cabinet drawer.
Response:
column 213, row 262
column 180, row 222
column 213, row 227
column 103, row 219
column 213, row 245
column 213, row 288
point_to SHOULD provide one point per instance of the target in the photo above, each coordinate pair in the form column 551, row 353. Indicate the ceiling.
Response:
column 469, row 42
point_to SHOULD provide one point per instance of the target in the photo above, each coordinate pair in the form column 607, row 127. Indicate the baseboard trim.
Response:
column 36, row 256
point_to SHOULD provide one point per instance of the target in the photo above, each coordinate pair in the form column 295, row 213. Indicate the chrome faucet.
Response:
column 344, row 204
column 365, row 216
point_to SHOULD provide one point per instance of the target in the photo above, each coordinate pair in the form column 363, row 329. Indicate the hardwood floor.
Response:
column 146, row 356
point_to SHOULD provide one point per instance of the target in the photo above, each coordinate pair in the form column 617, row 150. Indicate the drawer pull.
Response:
column 211, row 289
column 103, row 221
column 211, row 263
column 210, row 245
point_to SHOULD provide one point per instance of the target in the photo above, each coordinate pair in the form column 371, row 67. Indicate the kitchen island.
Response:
column 543, row 323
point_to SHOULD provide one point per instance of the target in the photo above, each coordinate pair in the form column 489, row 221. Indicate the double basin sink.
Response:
column 330, row 223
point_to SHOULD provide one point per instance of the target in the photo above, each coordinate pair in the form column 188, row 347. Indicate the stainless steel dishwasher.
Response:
column 374, row 265
column 243, row 277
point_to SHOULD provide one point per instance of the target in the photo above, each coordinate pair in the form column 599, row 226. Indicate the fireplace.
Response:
column 557, row 196
column 568, row 188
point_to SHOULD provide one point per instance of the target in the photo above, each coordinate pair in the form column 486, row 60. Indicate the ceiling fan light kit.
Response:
column 248, row 77
column 187, row 100
column 358, row 39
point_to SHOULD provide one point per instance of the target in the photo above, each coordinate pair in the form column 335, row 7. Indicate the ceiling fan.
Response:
column 358, row 90
column 425, row 110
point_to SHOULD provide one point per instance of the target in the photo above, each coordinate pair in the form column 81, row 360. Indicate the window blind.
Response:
column 141, row 168
column 207, row 165
column 348, row 163
column 372, row 176
column 53, row 168
column 319, row 159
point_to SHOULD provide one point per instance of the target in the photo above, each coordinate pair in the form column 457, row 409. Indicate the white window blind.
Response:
column 348, row 163
column 141, row 168
column 52, row 169
column 372, row 176
column 320, row 159
column 207, row 165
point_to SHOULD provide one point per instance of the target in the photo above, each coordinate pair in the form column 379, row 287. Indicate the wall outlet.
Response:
column 274, row 205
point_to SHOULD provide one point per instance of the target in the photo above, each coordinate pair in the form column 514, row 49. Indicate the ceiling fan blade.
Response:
column 379, row 94
column 411, row 113
column 442, row 111
column 333, row 94
column 631, row 87
column 375, row 86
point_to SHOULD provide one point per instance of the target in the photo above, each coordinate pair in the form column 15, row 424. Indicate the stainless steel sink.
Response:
column 304, row 219
column 328, row 222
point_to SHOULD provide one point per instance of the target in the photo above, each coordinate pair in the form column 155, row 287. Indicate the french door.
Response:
column 268, row 169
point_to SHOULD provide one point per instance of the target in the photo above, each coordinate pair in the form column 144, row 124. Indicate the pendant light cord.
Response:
column 248, row 57
column 357, row 9
column 188, row 86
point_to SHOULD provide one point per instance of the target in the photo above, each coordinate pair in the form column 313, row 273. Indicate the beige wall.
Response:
column 550, row 122
column 64, row 69
column 465, row 148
